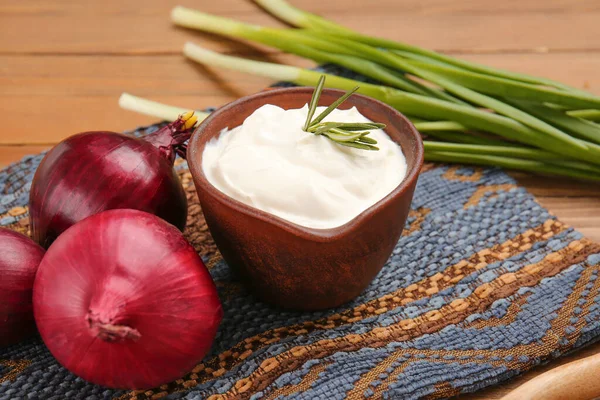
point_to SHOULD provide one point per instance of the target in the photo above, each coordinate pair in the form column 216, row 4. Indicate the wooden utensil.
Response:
column 578, row 380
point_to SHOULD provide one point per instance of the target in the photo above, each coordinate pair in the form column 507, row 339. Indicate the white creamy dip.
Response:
column 271, row 164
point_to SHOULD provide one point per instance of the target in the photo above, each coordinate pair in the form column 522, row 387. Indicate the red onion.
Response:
column 19, row 260
column 123, row 300
column 96, row 171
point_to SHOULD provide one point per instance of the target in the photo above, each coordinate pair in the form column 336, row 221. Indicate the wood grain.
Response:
column 53, row 91
column 90, row 27
column 11, row 154
column 556, row 187
column 574, row 381
column 63, row 65
column 499, row 391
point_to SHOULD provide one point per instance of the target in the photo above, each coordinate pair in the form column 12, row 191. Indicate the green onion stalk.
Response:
column 592, row 115
column 304, row 44
column 540, row 167
column 302, row 19
column 426, row 126
column 467, row 138
column 155, row 109
column 580, row 128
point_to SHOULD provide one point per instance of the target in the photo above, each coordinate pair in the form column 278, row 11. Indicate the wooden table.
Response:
column 64, row 63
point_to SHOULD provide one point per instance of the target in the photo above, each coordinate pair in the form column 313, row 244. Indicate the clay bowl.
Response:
column 293, row 266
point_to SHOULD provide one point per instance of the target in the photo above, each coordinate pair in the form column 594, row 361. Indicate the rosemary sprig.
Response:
column 343, row 133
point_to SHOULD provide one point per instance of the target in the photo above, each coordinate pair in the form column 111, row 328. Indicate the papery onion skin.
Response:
column 122, row 300
column 93, row 172
column 19, row 260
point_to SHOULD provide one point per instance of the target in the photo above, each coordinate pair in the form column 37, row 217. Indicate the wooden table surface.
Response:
column 63, row 65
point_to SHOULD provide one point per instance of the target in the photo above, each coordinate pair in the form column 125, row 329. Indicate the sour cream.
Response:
column 271, row 164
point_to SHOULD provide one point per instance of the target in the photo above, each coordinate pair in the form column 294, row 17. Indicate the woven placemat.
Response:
column 483, row 285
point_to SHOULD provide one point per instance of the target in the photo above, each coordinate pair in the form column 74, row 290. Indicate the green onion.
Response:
column 304, row 45
column 392, row 60
column 466, row 138
column 581, row 128
column 510, row 163
column 426, row 126
column 506, row 110
column 592, row 115
column 506, row 151
column 155, row 109
column 509, row 88
column 303, row 19
column 509, row 151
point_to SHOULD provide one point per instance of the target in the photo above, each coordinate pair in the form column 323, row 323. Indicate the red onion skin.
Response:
column 19, row 260
column 122, row 300
column 93, row 172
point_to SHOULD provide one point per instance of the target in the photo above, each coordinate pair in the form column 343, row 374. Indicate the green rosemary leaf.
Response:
column 314, row 101
column 358, row 145
column 348, row 126
column 351, row 126
column 333, row 106
column 320, row 128
column 352, row 134
column 368, row 140
column 341, row 136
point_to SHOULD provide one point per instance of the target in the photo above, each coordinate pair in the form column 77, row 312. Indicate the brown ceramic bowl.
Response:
column 290, row 265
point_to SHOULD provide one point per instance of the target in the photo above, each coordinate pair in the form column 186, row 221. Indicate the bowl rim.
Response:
column 194, row 158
